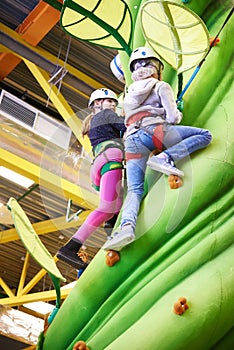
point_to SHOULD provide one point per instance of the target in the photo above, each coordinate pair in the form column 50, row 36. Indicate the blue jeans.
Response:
column 179, row 141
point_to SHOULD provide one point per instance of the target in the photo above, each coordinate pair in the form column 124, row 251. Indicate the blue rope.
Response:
column 203, row 60
column 188, row 83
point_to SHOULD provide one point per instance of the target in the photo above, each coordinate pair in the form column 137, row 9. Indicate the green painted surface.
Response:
column 32, row 241
column 185, row 246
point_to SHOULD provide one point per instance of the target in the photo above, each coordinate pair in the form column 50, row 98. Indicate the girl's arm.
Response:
column 117, row 121
column 173, row 115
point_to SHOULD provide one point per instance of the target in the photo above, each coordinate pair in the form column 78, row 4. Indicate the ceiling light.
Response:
column 15, row 177
column 69, row 285
column 39, row 306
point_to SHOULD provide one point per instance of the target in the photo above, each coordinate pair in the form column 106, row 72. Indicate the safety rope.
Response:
column 203, row 60
column 180, row 84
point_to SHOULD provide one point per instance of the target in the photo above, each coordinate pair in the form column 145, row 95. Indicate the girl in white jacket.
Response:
column 151, row 116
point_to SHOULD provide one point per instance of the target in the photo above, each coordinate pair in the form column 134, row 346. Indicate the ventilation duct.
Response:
column 34, row 120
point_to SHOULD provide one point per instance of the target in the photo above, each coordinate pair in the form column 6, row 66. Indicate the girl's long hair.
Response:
column 86, row 124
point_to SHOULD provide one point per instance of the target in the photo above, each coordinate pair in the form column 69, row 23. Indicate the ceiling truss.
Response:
column 15, row 47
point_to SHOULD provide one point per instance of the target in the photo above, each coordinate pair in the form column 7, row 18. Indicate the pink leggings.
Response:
column 111, row 195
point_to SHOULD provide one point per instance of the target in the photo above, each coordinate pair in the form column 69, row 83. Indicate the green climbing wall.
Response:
column 185, row 246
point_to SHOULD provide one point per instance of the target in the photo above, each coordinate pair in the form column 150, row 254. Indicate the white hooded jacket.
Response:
column 153, row 96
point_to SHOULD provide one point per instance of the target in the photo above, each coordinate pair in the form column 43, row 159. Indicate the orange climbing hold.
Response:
column 112, row 257
column 80, row 345
column 175, row 181
column 180, row 306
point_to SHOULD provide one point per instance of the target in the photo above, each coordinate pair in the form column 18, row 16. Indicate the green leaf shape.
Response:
column 31, row 240
column 176, row 33
column 106, row 23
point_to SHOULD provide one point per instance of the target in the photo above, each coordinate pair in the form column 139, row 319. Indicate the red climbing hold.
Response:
column 217, row 41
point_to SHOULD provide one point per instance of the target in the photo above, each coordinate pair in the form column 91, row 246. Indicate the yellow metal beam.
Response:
column 60, row 103
column 6, row 289
column 29, row 298
column 5, row 49
column 44, row 178
column 23, row 273
column 35, row 280
column 44, row 227
column 58, row 100
column 28, row 287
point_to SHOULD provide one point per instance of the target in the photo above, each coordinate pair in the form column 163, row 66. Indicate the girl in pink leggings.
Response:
column 104, row 128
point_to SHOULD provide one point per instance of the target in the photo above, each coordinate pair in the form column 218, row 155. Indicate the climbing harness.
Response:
column 157, row 138
column 111, row 166
column 157, row 135
column 137, row 118
column 103, row 146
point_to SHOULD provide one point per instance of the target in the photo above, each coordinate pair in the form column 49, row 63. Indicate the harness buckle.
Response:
column 138, row 124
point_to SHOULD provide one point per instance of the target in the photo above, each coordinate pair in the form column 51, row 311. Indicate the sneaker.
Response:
column 164, row 165
column 69, row 253
column 120, row 238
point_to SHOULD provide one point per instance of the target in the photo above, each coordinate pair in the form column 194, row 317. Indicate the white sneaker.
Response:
column 120, row 238
column 165, row 166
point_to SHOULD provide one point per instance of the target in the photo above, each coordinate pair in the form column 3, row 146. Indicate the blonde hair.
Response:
column 86, row 124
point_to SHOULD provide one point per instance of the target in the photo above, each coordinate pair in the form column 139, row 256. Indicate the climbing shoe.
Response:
column 69, row 253
column 164, row 165
column 120, row 238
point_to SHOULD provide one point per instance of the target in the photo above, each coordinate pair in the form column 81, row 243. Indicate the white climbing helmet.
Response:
column 142, row 53
column 116, row 69
column 102, row 94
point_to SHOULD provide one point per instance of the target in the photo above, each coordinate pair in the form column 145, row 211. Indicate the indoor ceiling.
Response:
column 31, row 53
